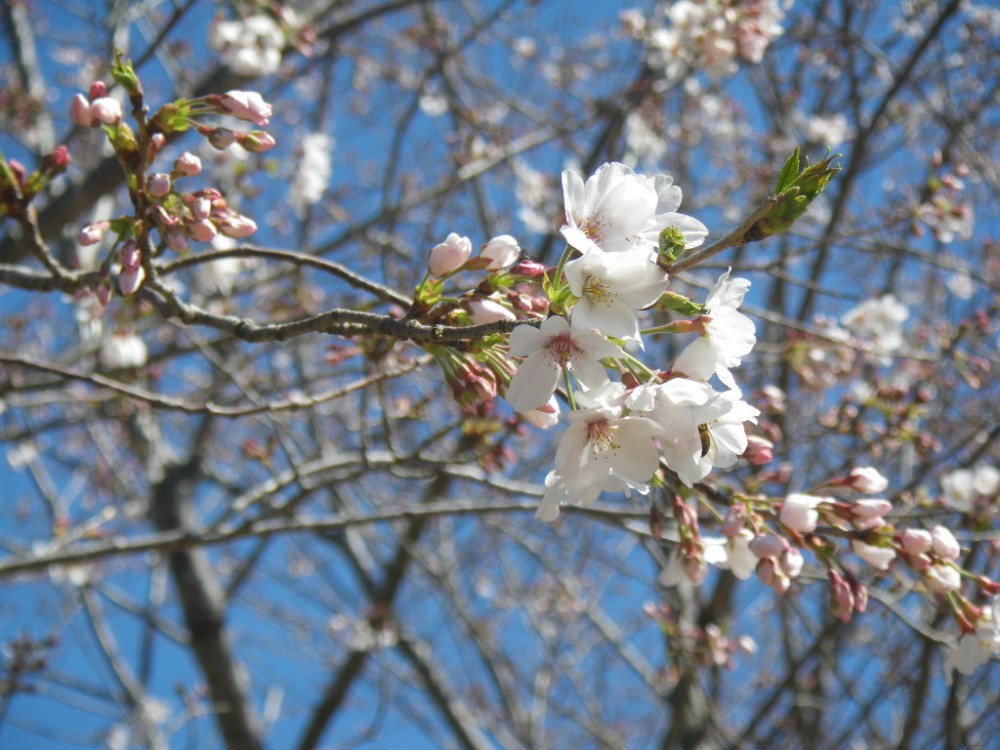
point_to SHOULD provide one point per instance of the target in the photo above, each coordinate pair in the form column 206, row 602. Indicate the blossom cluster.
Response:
column 707, row 34
column 621, row 429
column 631, row 426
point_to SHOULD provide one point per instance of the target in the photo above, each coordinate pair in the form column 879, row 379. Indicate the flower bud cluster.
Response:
column 97, row 108
column 201, row 215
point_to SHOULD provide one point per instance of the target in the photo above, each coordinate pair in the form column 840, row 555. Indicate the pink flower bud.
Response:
column 868, row 480
column 131, row 255
column 79, row 111
column 915, row 541
column 156, row 143
column 236, row 226
column 158, row 184
column 256, row 142
column 870, row 508
column 944, row 543
column 97, row 90
column 943, row 578
column 732, row 526
column 187, row 164
column 163, row 217
column 129, row 280
column 247, row 105
column 107, row 110
column 765, row 570
column 221, row 138
column 201, row 208
column 529, row 268
column 450, row 255
column 203, row 231
column 799, row 513
column 841, row 596
column 878, row 557
column 860, row 594
column 175, row 239
column 56, row 162
column 501, row 251
column 93, row 233
column 792, row 562
column 768, row 545
column 770, row 575
column 483, row 311
column 867, row 514
column 759, row 450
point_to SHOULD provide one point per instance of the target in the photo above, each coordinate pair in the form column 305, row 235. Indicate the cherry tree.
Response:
column 499, row 375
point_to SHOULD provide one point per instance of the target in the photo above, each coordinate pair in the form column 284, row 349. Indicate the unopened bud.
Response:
column 256, row 142
column 759, row 450
column 203, row 231
column 187, row 164
column 129, row 280
column 450, row 255
column 221, row 138
column 79, row 111
column 158, row 184
column 98, row 90
column 106, row 110
column 92, row 233
column 768, row 545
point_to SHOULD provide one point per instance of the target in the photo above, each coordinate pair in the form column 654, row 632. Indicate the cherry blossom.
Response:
column 548, row 351
column 680, row 406
column 977, row 648
column 612, row 288
column 729, row 335
column 617, row 210
column 601, row 450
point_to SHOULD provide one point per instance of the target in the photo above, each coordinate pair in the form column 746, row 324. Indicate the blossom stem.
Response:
column 569, row 390
column 675, row 326
column 563, row 259
column 634, row 364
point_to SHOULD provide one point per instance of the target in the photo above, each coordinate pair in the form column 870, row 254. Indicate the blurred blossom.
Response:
column 963, row 486
column 827, row 130
column 537, row 196
column 878, row 324
column 312, row 173
column 250, row 46
column 961, row 285
column 122, row 349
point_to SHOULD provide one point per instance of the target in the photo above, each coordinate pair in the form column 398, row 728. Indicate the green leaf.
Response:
column 124, row 74
column 788, row 172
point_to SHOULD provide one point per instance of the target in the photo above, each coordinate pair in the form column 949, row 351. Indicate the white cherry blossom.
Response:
column 729, row 334
column 548, row 351
column 601, row 450
column 612, row 287
column 617, row 210
column 976, row 649
column 680, row 406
